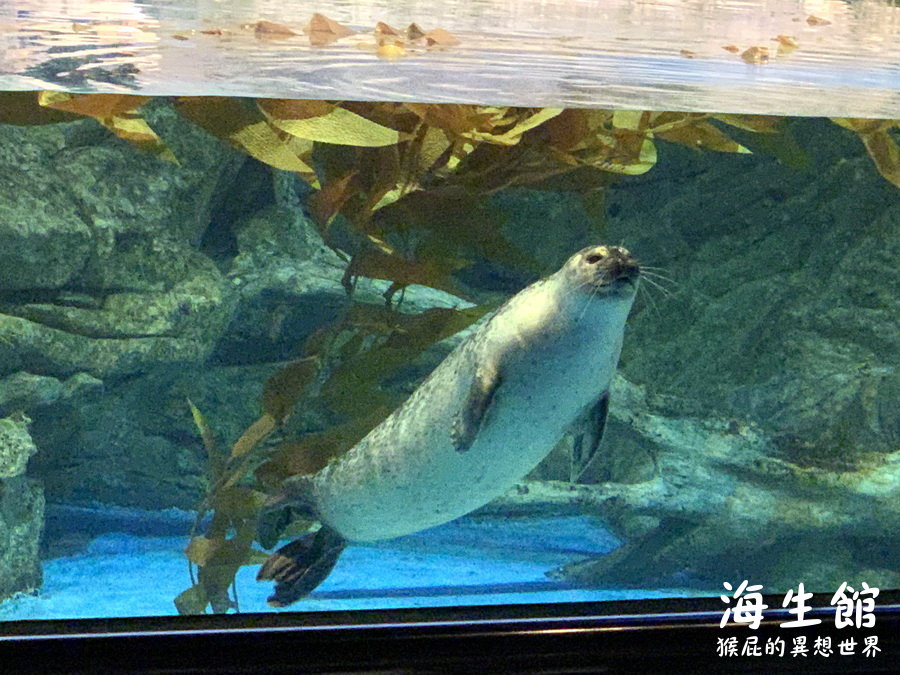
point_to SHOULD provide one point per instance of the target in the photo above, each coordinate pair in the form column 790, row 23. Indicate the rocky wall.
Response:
column 21, row 510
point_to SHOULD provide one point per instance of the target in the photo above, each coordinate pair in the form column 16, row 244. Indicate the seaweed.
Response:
column 881, row 146
column 117, row 112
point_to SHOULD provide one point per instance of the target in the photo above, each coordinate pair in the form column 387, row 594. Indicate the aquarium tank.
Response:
column 363, row 305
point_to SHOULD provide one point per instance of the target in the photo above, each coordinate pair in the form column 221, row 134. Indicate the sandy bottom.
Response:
column 119, row 563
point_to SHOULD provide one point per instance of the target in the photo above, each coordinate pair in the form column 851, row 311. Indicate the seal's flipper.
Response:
column 294, row 501
column 297, row 568
column 590, row 424
column 468, row 420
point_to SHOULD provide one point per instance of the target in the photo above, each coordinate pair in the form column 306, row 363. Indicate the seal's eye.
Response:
column 594, row 258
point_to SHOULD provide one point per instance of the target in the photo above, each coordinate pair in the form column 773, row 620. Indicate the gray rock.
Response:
column 21, row 523
column 721, row 507
column 123, row 332
column 24, row 391
column 44, row 242
column 82, row 208
column 783, row 298
column 137, row 445
column 98, row 268
column 21, row 508
column 16, row 445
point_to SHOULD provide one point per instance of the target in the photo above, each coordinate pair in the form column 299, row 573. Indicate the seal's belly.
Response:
column 367, row 500
column 406, row 476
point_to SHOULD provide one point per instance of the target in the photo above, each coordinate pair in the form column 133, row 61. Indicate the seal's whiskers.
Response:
column 658, row 286
column 646, row 293
column 655, row 272
column 587, row 303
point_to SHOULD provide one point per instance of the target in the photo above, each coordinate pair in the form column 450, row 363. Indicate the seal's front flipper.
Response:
column 590, row 425
column 469, row 419
column 297, row 568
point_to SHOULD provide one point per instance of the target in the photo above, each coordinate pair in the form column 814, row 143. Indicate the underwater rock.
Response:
column 98, row 269
column 136, row 445
column 120, row 334
column 21, row 509
column 783, row 298
column 27, row 391
column 21, row 523
column 43, row 241
column 549, row 225
column 23, row 391
column 722, row 504
column 16, row 445
column 287, row 283
column 84, row 209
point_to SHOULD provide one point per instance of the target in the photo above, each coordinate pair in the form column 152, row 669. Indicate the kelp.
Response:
column 117, row 112
column 882, row 148
column 217, row 555
column 120, row 113
column 227, row 544
column 22, row 109
column 391, row 150
column 324, row 122
column 240, row 123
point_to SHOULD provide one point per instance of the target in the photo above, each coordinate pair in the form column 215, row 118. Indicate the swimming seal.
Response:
column 484, row 418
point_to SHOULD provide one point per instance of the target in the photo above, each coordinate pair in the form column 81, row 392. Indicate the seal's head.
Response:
column 605, row 271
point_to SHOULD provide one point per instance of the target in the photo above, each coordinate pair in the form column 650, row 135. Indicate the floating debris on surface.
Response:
column 388, row 42
column 756, row 55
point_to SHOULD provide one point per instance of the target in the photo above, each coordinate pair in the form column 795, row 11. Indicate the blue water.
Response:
column 138, row 570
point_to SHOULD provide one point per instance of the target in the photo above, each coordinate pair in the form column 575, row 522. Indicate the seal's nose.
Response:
column 616, row 262
column 625, row 269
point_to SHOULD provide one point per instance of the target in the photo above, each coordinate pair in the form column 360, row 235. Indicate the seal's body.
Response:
column 486, row 416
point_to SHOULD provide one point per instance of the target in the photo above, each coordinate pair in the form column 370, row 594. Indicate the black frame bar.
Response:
column 675, row 635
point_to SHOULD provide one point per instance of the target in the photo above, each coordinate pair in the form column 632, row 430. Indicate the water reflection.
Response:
column 643, row 53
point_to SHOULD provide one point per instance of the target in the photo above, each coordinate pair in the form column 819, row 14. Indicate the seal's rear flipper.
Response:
column 297, row 568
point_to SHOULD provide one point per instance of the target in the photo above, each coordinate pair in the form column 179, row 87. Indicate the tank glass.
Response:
column 237, row 239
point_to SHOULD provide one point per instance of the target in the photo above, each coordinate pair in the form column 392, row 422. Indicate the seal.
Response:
column 484, row 418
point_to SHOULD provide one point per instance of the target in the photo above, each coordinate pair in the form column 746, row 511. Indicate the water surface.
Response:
column 648, row 54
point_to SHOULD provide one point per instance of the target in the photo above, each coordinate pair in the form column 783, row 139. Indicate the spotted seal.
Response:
column 484, row 418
